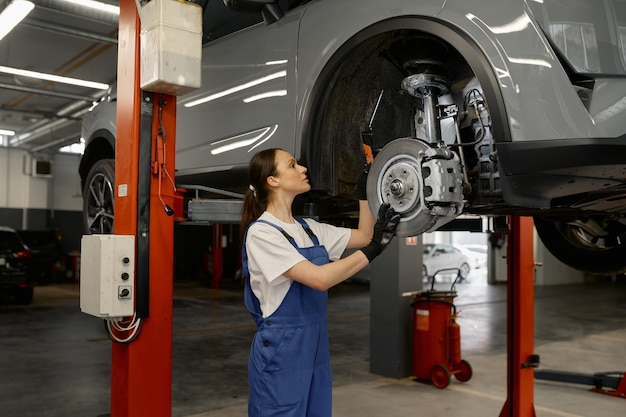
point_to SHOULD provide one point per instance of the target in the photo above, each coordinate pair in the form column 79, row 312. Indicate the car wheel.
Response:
column 592, row 245
column 464, row 270
column 98, row 197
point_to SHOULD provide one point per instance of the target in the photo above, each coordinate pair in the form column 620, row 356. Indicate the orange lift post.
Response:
column 141, row 371
column 521, row 361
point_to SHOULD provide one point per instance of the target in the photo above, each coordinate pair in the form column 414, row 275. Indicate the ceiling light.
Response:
column 5, row 132
column 54, row 78
column 109, row 8
column 13, row 14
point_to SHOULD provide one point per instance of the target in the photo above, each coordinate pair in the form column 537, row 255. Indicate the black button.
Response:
column 266, row 344
column 268, row 323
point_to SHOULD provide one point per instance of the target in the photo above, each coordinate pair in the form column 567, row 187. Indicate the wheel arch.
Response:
column 101, row 145
column 318, row 149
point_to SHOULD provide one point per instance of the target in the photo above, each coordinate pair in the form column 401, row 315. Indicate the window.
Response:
column 578, row 43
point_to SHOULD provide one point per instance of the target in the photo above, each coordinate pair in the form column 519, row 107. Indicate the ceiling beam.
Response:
column 77, row 10
column 51, row 27
column 42, row 92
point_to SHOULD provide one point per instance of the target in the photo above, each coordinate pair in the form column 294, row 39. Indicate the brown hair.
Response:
column 262, row 165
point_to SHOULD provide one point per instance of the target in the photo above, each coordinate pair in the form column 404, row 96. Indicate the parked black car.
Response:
column 15, row 256
column 46, row 250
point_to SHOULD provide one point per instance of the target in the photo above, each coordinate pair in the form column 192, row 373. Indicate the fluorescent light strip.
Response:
column 236, row 89
column 13, row 14
column 54, row 78
column 5, row 132
column 109, row 8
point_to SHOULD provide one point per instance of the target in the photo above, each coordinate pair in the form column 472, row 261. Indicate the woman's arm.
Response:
column 322, row 277
column 363, row 234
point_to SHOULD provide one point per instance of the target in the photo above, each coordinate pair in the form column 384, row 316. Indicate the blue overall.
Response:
column 289, row 365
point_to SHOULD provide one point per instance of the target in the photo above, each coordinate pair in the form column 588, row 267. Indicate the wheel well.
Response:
column 347, row 90
column 100, row 147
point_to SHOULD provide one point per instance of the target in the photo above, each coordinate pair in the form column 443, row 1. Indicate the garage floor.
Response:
column 55, row 361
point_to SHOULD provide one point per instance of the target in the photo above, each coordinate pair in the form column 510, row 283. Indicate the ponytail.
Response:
column 262, row 166
column 250, row 211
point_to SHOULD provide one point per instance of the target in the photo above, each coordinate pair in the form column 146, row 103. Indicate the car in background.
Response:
column 438, row 257
column 46, row 250
column 14, row 263
column 477, row 253
column 484, row 107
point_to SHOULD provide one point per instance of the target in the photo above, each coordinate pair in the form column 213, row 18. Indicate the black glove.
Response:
column 361, row 186
column 384, row 230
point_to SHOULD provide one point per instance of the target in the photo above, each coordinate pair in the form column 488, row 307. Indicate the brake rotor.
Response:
column 422, row 182
column 396, row 178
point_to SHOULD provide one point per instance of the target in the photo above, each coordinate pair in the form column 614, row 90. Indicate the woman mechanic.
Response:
column 287, row 269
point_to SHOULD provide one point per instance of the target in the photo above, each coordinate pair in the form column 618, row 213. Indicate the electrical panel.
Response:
column 107, row 275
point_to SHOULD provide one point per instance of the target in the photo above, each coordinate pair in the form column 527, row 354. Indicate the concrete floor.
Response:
column 55, row 361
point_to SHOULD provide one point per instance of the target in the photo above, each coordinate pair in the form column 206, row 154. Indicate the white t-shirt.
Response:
column 270, row 254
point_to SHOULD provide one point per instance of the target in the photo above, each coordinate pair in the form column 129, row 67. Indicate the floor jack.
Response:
column 608, row 383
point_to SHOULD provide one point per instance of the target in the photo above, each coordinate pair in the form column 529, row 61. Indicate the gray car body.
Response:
column 552, row 73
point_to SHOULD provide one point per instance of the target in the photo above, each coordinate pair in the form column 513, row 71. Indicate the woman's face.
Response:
column 290, row 176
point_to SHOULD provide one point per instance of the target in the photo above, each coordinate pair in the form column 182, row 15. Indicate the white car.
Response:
column 438, row 257
column 477, row 254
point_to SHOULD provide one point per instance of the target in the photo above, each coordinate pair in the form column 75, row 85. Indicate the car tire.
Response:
column 98, row 198
column 464, row 270
column 578, row 247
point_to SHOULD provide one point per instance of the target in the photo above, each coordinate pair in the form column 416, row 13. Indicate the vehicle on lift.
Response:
column 14, row 263
column 507, row 107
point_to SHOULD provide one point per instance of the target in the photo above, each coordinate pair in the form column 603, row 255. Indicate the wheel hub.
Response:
column 421, row 182
column 401, row 184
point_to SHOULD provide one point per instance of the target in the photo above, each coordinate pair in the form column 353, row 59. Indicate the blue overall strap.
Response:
column 304, row 224
column 308, row 230
column 250, row 300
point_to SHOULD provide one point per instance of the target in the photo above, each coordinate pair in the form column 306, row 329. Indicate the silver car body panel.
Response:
column 539, row 99
column 275, row 68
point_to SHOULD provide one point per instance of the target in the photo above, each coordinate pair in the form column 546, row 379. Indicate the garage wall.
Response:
column 30, row 202
column 553, row 271
column 18, row 189
column 65, row 182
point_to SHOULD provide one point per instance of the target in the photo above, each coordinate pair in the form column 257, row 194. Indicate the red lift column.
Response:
column 520, row 319
column 141, row 374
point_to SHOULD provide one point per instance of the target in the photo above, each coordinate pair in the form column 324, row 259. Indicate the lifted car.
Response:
column 507, row 107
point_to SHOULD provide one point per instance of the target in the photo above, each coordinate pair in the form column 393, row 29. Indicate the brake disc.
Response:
column 421, row 182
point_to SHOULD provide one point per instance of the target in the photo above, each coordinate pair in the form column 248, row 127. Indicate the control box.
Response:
column 171, row 46
column 107, row 275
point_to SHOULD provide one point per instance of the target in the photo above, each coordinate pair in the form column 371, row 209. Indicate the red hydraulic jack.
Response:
column 521, row 360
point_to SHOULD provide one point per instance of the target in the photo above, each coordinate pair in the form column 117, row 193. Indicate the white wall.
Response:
column 553, row 271
column 66, row 193
column 19, row 189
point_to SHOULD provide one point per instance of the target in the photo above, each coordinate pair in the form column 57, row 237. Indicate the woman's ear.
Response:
column 272, row 181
